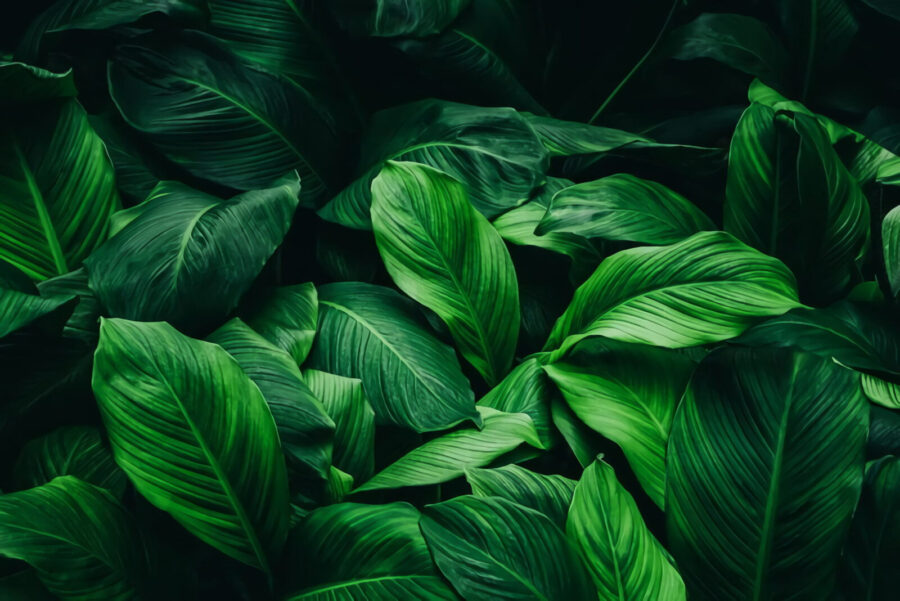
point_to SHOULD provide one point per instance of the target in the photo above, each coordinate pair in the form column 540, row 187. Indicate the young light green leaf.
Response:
column 445, row 255
column 550, row 495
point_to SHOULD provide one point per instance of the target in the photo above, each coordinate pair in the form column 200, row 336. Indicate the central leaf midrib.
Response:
column 43, row 214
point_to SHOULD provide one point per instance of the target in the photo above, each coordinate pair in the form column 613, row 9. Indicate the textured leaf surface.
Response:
column 548, row 494
column 287, row 317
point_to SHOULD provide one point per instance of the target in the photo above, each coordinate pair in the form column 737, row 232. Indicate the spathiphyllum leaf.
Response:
column 374, row 334
column 20, row 309
column 393, row 18
column 187, row 257
column 767, row 449
column 550, row 495
column 623, row 207
column 628, row 393
column 890, row 236
column 80, row 540
column 57, row 190
column 287, row 317
column 372, row 552
column 623, row 557
column 24, row 83
column 444, row 254
column 491, row 548
column 69, row 451
column 193, row 431
column 527, row 390
column 492, row 151
column 706, row 288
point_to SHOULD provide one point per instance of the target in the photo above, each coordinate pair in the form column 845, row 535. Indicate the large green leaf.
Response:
column 551, row 495
column 69, row 451
column 374, row 334
column 492, row 151
column 393, row 18
column 624, row 559
column 195, row 436
column 80, row 540
column 890, row 236
column 623, row 207
column 448, row 456
column 57, row 190
column 490, row 548
column 765, row 466
column 304, row 427
column 286, row 316
column 628, row 393
column 221, row 118
column 187, row 257
column 445, row 255
column 372, row 552
column 706, row 288
column 22, row 83
column 870, row 565
column 525, row 390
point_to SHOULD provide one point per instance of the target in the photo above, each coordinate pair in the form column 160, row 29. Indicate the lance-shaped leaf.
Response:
column 869, row 564
column 23, row 83
column 490, row 548
column 304, row 427
column 445, row 255
column 624, row 558
column 57, row 190
column 706, row 288
column 628, row 393
column 551, row 495
column 394, row 18
column 354, row 551
column 80, row 540
column 187, row 257
column 221, row 118
column 623, row 207
column 286, row 316
column 525, row 390
column 890, row 236
column 354, row 434
column 765, row 466
column 195, row 436
column 448, row 456
column 492, row 151
column 374, row 334
column 69, row 451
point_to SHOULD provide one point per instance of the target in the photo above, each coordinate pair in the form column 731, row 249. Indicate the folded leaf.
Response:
column 706, row 288
column 393, row 18
column 286, row 316
column 445, row 255
column 187, row 257
column 195, row 436
column 550, row 495
column 374, row 334
column 623, row 557
column 765, row 466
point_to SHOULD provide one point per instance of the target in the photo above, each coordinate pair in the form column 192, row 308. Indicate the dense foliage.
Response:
column 319, row 300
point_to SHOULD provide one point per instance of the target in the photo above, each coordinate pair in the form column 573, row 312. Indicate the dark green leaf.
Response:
column 393, row 18
column 22, row 84
column 550, row 495
column 287, row 317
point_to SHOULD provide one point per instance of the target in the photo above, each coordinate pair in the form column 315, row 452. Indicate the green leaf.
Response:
column 286, row 316
column 69, row 451
column 490, row 548
column 492, row 151
column 525, row 390
column 374, row 334
column 623, row 557
column 448, row 456
column 628, row 393
column 57, row 191
column 85, row 319
column 195, row 436
column 303, row 425
column 584, row 443
column 372, row 552
column 870, row 570
column 20, row 309
column 187, row 256
column 80, row 540
column 394, row 18
column 706, row 288
column 765, row 465
column 550, row 495
column 890, row 236
column 354, row 419
column 22, row 84
column 623, row 207
column 445, row 255
column 219, row 117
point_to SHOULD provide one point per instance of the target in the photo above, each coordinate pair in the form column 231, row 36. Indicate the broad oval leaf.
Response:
column 623, row 207
column 286, row 316
column 80, row 540
column 187, row 257
column 765, row 466
column 374, row 334
column 57, row 191
column 490, row 548
column 706, row 288
column 445, row 255
column 394, row 18
column 195, row 436
column 548, row 494
column 623, row 557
